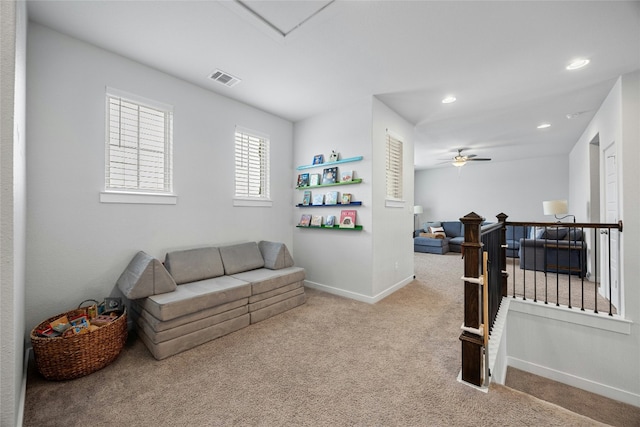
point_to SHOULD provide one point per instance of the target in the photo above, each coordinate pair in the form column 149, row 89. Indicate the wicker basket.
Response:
column 65, row 358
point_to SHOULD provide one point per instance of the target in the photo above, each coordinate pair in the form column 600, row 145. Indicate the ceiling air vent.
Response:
column 224, row 78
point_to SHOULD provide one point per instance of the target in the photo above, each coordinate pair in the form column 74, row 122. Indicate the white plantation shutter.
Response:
column 394, row 168
column 252, row 164
column 139, row 146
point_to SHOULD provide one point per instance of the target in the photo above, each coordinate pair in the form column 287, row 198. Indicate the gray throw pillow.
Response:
column 276, row 255
column 192, row 265
column 241, row 257
column 145, row 276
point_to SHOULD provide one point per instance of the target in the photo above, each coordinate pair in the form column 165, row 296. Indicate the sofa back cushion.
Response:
column 453, row 228
column 192, row 265
column 517, row 232
column 145, row 276
column 276, row 255
column 241, row 257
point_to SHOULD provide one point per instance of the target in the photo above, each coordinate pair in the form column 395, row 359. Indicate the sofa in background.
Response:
column 204, row 293
column 554, row 249
column 513, row 234
column 452, row 240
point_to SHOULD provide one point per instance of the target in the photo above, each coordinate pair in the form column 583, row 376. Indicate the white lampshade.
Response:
column 555, row 207
column 417, row 210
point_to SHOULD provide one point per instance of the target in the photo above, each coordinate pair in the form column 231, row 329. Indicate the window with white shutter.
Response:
column 394, row 168
column 251, row 167
column 139, row 145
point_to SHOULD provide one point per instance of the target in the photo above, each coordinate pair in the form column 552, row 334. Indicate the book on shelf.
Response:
column 316, row 221
column 346, row 176
column 306, row 198
column 331, row 198
column 318, row 199
column 329, row 175
column 318, row 159
column 331, row 221
column 348, row 218
column 346, row 198
column 314, row 179
column 305, row 220
column 303, row 180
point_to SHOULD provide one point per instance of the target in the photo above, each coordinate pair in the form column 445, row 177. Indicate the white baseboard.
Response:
column 357, row 296
column 23, row 390
column 574, row 381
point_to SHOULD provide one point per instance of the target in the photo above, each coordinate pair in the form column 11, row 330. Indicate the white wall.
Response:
column 76, row 246
column 13, row 25
column 595, row 352
column 393, row 226
column 516, row 188
column 337, row 261
column 356, row 264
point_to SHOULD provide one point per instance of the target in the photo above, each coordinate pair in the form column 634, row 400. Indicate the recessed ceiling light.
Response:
column 449, row 99
column 577, row 64
column 544, row 125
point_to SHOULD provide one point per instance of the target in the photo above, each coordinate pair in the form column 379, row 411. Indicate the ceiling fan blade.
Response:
column 470, row 156
column 477, row 159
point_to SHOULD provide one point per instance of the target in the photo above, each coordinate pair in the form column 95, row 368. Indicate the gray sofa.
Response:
column 204, row 293
column 454, row 236
column 558, row 250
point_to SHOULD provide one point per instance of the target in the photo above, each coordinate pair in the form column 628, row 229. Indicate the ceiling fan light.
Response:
column 449, row 99
column 544, row 125
column 458, row 163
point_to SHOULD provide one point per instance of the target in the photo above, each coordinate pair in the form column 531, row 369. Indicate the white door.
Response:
column 610, row 241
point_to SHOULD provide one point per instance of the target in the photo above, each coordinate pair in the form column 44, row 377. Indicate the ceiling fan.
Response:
column 460, row 160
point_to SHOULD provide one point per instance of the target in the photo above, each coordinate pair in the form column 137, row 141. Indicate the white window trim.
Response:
column 241, row 201
column 133, row 196
column 138, row 198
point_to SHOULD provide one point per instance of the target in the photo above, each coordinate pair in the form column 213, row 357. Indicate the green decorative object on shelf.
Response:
column 353, row 181
column 350, row 159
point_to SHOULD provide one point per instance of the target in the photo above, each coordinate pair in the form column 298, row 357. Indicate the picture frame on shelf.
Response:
column 316, row 221
column 303, row 180
column 334, row 156
column 318, row 199
column 331, row 198
column 346, row 198
column 346, row 175
column 314, row 179
column 318, row 159
column 305, row 220
column 306, row 198
column 348, row 218
column 331, row 221
column 330, row 175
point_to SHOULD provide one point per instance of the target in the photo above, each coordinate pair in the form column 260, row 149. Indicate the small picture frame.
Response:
column 318, row 159
column 334, row 157
column 112, row 304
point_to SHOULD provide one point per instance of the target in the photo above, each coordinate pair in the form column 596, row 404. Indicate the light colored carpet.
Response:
column 332, row 361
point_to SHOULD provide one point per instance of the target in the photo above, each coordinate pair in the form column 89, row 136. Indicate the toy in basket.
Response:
column 82, row 348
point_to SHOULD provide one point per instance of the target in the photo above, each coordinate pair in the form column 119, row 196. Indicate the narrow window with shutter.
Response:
column 252, row 165
column 394, row 168
column 138, row 145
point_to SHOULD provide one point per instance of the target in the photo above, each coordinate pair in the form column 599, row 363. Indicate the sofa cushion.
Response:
column 574, row 235
column 275, row 255
column 241, row 257
column 453, row 228
column 265, row 280
column 145, row 276
column 554, row 233
column 194, row 264
column 195, row 296
column 426, row 225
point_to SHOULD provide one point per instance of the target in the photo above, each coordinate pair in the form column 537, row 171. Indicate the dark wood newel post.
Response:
column 502, row 218
column 472, row 342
